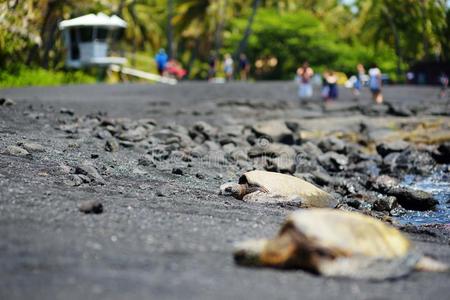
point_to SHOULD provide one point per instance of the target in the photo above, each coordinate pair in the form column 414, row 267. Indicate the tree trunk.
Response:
column 248, row 30
column 120, row 8
column 142, row 29
column 193, row 56
column 396, row 41
column 220, row 25
column 426, row 44
column 169, row 28
column 44, row 32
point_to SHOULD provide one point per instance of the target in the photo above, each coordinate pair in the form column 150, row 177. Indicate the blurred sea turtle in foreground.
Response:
column 263, row 186
column 337, row 243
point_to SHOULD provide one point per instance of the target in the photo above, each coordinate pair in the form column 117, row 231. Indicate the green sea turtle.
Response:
column 337, row 243
column 263, row 186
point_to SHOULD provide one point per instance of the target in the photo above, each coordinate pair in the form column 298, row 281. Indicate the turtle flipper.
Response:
column 248, row 253
column 362, row 267
column 428, row 264
column 276, row 253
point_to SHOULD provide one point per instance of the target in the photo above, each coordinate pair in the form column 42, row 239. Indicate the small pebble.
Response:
column 91, row 207
column 31, row 147
column 177, row 171
column 111, row 145
column 67, row 111
column 16, row 151
column 7, row 102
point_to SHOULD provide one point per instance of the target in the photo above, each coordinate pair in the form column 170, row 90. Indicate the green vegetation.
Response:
column 276, row 35
column 24, row 76
column 304, row 38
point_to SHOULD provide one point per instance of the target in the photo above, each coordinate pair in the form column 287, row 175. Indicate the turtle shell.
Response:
column 334, row 243
column 349, row 233
column 289, row 186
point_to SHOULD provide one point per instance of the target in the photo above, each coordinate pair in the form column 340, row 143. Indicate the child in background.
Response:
column 375, row 84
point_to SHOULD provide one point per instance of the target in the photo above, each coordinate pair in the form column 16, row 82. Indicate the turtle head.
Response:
column 248, row 253
column 233, row 189
column 280, row 252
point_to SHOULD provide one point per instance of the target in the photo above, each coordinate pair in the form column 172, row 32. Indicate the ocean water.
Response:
column 439, row 185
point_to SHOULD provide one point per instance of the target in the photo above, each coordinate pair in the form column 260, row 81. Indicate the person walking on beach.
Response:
column 161, row 61
column 375, row 84
column 357, row 86
column 443, row 80
column 304, row 76
column 228, row 67
column 244, row 66
column 212, row 67
column 330, row 91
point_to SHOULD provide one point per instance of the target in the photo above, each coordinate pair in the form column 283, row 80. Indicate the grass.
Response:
column 25, row 76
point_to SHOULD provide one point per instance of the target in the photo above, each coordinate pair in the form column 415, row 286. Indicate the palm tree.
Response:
column 243, row 43
column 169, row 28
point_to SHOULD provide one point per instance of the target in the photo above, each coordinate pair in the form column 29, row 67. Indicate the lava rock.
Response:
column 383, row 183
column 274, row 131
column 282, row 164
column 111, row 145
column 333, row 161
column 139, row 171
column 159, row 153
column 177, row 171
column 387, row 148
column 271, row 150
column 167, row 136
column 229, row 147
column 293, row 126
column 146, row 161
column 66, row 111
column 385, row 203
column 413, row 199
column 353, row 202
column 103, row 134
column 74, row 180
column 368, row 167
column 374, row 110
column 415, row 162
column 443, row 153
column 389, row 163
column 199, row 151
column 16, row 151
column 332, row 144
column 31, row 147
column 127, row 144
column 177, row 156
column 91, row 207
column 322, row 178
column 399, row 109
column 91, row 172
column 202, row 131
column 7, row 102
column 134, row 135
column 238, row 154
column 308, row 150
column 444, row 148
column 200, row 175
column 308, row 166
column 398, row 211
column 355, row 150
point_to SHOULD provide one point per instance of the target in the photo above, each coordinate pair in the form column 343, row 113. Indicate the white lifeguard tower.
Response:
column 88, row 40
